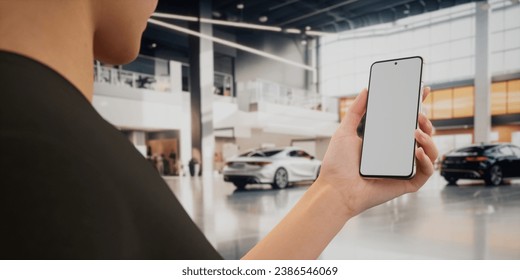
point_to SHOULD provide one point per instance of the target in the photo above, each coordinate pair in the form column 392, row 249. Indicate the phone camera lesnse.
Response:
column 395, row 63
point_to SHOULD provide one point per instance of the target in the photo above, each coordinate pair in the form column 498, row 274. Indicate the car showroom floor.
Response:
column 438, row 222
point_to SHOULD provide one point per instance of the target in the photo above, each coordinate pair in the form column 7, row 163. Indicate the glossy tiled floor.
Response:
column 439, row 222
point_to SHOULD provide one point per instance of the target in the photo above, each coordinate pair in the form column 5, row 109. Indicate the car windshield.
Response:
column 475, row 150
column 268, row 153
column 467, row 151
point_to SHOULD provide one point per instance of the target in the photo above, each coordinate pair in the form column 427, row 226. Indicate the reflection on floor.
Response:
column 438, row 222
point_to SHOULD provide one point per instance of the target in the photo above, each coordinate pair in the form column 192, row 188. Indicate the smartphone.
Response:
column 393, row 105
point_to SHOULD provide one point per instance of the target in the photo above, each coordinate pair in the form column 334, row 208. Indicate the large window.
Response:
column 463, row 102
column 499, row 98
column 442, row 104
column 513, row 96
column 459, row 102
column 505, row 97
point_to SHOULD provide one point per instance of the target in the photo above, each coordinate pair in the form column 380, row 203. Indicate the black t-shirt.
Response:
column 72, row 186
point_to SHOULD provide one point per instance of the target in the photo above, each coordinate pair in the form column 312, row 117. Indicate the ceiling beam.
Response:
column 320, row 11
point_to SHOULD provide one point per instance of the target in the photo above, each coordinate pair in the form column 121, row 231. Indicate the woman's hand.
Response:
column 340, row 167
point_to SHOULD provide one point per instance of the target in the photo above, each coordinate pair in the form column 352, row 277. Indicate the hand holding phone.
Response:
column 340, row 167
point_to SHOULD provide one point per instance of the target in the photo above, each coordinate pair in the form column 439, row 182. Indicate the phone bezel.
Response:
column 419, row 95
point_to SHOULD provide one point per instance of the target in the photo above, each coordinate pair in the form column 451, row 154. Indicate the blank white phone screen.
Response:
column 391, row 118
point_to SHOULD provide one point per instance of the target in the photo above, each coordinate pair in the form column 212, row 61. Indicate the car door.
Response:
column 515, row 166
column 507, row 160
column 309, row 164
column 300, row 165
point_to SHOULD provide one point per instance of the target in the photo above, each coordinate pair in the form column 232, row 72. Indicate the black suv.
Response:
column 490, row 162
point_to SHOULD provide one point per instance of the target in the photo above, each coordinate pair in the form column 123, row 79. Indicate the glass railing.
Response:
column 266, row 91
column 223, row 84
column 124, row 78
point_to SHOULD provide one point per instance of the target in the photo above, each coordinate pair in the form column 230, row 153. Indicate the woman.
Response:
column 91, row 194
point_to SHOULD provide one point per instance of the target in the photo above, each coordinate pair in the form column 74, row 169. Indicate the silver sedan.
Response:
column 278, row 167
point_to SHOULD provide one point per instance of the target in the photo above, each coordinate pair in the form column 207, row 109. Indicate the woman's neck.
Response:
column 41, row 30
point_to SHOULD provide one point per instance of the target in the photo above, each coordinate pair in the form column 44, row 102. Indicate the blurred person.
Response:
column 173, row 160
column 159, row 163
column 192, row 166
column 91, row 195
column 166, row 165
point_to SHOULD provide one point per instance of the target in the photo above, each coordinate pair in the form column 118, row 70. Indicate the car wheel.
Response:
column 281, row 179
column 452, row 181
column 240, row 185
column 494, row 177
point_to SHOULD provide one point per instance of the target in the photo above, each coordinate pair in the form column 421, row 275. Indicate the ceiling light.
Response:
column 293, row 30
column 406, row 12
column 307, row 28
column 216, row 14
column 241, row 24
column 153, row 45
column 318, row 33
column 173, row 16
column 263, row 19
column 304, row 42
column 240, row 6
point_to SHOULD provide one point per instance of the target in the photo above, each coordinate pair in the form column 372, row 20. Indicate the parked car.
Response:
column 490, row 162
column 278, row 167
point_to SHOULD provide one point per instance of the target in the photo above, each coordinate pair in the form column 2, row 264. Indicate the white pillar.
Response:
column 201, row 90
column 185, row 148
column 482, row 129
column 175, row 77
